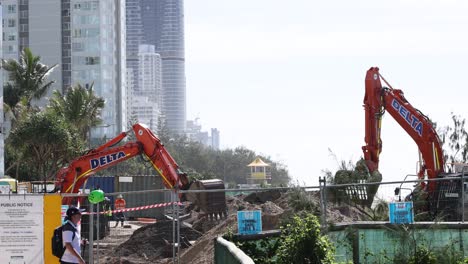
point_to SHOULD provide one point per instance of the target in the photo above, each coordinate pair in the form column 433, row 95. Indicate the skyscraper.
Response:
column 162, row 24
column 149, row 74
column 135, row 38
column 146, row 102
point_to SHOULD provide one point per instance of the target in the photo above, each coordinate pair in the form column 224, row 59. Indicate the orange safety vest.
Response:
column 119, row 204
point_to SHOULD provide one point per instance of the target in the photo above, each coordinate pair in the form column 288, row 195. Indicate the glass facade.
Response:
column 97, row 57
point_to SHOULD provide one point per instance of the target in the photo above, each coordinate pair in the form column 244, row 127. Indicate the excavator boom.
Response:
column 71, row 178
column 379, row 99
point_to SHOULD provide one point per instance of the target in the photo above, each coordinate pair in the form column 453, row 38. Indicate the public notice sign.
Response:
column 401, row 213
column 249, row 222
column 21, row 229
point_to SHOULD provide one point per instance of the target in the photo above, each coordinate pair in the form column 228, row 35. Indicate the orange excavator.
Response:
column 71, row 178
column 377, row 100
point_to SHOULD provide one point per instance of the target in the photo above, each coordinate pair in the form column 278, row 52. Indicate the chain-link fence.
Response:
column 441, row 199
column 156, row 225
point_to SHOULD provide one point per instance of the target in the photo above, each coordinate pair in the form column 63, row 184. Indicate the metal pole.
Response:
column 178, row 227
column 97, row 230
column 173, row 229
column 325, row 202
column 322, row 204
column 463, row 193
column 91, row 234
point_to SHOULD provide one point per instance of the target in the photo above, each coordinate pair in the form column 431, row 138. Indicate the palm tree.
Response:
column 80, row 107
column 28, row 79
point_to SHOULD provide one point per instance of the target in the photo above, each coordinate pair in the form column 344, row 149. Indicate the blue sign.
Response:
column 401, row 213
column 249, row 222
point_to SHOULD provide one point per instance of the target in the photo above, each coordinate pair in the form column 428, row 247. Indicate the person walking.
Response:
column 119, row 204
column 72, row 238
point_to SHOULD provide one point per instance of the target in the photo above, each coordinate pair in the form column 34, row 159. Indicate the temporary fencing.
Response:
column 179, row 224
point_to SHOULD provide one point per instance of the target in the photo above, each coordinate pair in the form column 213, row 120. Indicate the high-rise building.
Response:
column 145, row 111
column 194, row 132
column 85, row 38
column 98, row 47
column 135, row 37
column 163, row 26
column 149, row 74
column 146, row 101
column 214, row 138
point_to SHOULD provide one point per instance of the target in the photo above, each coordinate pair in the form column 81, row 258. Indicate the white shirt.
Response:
column 67, row 236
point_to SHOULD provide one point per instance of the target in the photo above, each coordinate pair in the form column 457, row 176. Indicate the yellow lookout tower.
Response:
column 260, row 172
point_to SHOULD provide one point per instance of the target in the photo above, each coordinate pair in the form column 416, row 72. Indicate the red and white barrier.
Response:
column 145, row 207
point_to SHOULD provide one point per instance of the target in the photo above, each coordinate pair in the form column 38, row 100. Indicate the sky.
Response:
column 287, row 80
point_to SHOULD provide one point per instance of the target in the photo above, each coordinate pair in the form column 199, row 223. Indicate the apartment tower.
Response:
column 161, row 23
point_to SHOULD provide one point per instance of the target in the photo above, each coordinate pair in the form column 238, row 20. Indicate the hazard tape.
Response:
column 135, row 208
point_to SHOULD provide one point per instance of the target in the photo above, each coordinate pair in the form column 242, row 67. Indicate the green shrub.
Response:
column 423, row 256
column 302, row 242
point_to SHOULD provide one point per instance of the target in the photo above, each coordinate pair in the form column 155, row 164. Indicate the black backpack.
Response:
column 57, row 241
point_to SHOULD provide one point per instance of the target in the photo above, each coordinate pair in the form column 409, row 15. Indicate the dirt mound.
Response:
column 263, row 197
column 154, row 241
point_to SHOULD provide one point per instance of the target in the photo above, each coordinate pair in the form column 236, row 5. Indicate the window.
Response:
column 12, row 36
column 24, row 41
column 77, row 33
column 77, row 46
column 92, row 60
column 24, row 28
column 92, row 32
column 11, row 9
column 24, row 14
column 11, row 48
column 11, row 22
column 94, row 5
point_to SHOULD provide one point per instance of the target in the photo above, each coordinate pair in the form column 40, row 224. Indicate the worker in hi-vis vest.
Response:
column 119, row 204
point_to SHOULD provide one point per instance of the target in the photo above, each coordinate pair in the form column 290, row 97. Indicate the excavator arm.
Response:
column 379, row 99
column 71, row 178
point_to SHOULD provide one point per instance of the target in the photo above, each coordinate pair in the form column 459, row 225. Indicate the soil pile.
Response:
column 152, row 243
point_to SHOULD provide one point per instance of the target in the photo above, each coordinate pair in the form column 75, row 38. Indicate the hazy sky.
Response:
column 286, row 78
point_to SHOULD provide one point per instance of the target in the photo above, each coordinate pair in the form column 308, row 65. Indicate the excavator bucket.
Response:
column 213, row 204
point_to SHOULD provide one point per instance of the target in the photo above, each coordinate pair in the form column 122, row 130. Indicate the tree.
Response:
column 80, row 107
column 28, row 79
column 455, row 140
column 45, row 142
